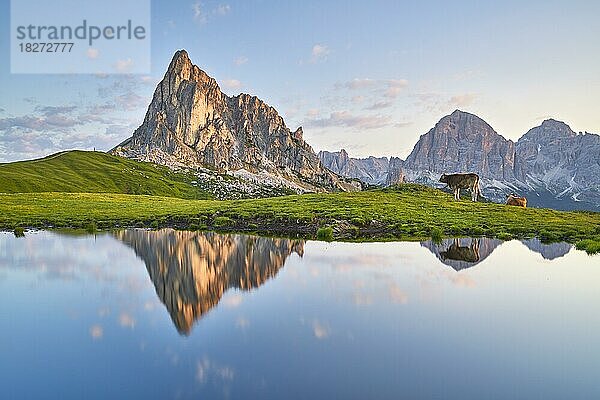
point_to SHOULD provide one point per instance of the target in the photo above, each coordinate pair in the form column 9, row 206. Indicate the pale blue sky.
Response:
column 367, row 76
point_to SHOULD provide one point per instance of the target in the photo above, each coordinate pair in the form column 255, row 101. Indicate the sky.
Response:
column 369, row 77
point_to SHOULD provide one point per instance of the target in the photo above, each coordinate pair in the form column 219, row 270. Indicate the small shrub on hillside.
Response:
column 436, row 235
column 222, row 221
column 592, row 246
column 19, row 232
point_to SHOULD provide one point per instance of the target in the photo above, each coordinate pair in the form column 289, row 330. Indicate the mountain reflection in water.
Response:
column 462, row 253
column 87, row 316
column 192, row 270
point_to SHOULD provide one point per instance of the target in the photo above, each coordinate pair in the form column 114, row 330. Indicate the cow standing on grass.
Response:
column 462, row 181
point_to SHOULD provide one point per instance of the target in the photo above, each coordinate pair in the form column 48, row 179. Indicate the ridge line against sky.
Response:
column 370, row 78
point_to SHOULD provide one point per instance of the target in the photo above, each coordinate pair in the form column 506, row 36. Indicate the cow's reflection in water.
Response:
column 457, row 252
column 461, row 253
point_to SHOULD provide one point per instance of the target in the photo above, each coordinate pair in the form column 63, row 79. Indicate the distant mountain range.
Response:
column 191, row 124
column 371, row 170
column 551, row 165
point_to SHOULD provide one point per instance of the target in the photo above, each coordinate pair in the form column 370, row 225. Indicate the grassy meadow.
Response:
column 95, row 172
column 407, row 212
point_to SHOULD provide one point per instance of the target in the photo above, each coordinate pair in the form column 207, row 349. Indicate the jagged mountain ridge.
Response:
column 190, row 122
column 561, row 161
column 371, row 170
column 552, row 165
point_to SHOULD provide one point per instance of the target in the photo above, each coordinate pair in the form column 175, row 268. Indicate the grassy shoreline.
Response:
column 400, row 213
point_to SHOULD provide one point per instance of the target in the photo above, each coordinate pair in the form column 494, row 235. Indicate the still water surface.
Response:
column 172, row 314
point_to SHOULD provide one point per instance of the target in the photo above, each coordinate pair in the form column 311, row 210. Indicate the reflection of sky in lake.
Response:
column 82, row 319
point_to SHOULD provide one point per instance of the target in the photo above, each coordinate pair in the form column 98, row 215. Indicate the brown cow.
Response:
column 514, row 200
column 462, row 181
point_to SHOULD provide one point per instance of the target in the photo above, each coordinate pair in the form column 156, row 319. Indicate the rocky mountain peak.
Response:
column 550, row 129
column 191, row 123
column 181, row 66
column 462, row 142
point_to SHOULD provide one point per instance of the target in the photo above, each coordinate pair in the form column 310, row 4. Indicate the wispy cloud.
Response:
column 223, row 9
column 357, row 83
column 319, row 53
column 379, row 105
column 201, row 14
column 124, row 65
column 394, row 87
column 231, row 84
column 198, row 14
column 101, row 124
column 349, row 120
column 241, row 60
column 462, row 100
column 379, row 94
column 391, row 87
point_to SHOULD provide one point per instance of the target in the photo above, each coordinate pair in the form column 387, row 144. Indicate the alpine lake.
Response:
column 178, row 314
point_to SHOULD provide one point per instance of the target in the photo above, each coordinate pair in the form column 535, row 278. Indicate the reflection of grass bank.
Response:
column 592, row 245
column 404, row 212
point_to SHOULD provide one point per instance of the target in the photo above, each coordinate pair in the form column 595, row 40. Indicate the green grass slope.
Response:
column 95, row 172
column 405, row 212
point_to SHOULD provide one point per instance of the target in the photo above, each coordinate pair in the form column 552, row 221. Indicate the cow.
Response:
column 514, row 200
column 462, row 181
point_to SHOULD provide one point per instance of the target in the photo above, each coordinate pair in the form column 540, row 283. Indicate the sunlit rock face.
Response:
column 462, row 253
column 192, row 270
column 191, row 123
